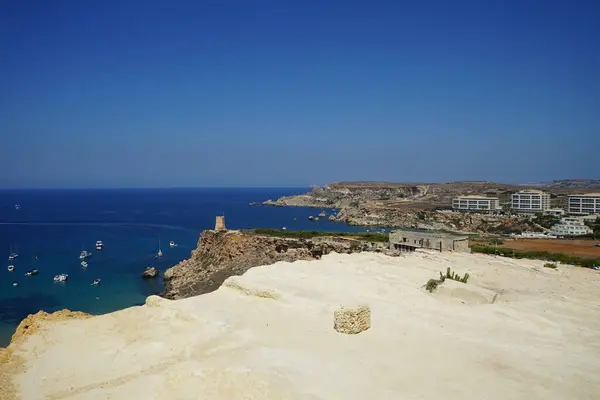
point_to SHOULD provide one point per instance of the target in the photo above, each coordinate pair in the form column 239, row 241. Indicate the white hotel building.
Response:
column 530, row 201
column 584, row 204
column 475, row 203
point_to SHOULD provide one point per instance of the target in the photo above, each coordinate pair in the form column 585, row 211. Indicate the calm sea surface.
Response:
column 51, row 227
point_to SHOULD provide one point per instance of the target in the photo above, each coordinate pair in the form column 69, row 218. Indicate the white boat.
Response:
column 11, row 267
column 17, row 206
column 84, row 254
column 61, row 278
column 284, row 228
column 32, row 272
column 99, row 245
column 12, row 255
column 84, row 264
column 159, row 253
column 15, row 283
column 172, row 244
column 96, row 282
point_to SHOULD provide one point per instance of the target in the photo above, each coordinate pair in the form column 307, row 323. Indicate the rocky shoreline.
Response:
column 221, row 254
column 409, row 206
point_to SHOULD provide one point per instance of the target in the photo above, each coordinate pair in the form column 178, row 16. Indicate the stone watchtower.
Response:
column 220, row 223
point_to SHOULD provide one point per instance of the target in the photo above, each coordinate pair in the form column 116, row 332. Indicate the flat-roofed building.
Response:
column 410, row 240
column 584, row 204
column 571, row 226
column 530, row 201
column 476, row 203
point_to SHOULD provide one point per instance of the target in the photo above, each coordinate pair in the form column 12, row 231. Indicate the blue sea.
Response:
column 49, row 229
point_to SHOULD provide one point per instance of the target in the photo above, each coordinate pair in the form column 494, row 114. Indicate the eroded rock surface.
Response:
column 221, row 254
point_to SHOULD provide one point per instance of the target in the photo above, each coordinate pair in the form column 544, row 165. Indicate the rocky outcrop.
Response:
column 338, row 195
column 220, row 255
column 273, row 333
column 150, row 272
column 439, row 220
column 33, row 322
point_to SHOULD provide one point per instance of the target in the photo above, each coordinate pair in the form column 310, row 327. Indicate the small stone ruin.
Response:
column 352, row 320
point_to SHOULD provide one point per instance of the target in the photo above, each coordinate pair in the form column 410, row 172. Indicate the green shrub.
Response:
column 454, row 276
column 550, row 265
column 432, row 284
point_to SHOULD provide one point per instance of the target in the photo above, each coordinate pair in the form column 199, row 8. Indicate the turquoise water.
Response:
column 51, row 227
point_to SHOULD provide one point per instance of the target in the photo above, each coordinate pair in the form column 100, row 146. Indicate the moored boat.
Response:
column 84, row 264
column 84, row 254
column 61, row 278
column 32, row 272
column 11, row 267
column 99, row 245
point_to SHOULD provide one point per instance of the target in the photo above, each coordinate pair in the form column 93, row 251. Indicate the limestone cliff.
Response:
column 220, row 255
column 343, row 194
column 516, row 330
column 372, row 215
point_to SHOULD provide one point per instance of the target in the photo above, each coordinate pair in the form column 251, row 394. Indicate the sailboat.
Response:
column 159, row 253
column 13, row 254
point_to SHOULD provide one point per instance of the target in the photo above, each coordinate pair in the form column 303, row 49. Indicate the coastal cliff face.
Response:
column 338, row 195
column 221, row 254
column 274, row 333
column 366, row 215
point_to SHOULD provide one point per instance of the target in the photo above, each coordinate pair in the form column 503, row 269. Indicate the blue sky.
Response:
column 269, row 92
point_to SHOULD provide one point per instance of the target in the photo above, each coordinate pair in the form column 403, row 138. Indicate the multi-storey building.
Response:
column 530, row 201
column 584, row 204
column 475, row 203
column 570, row 226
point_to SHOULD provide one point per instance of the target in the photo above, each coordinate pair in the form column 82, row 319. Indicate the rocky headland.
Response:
column 424, row 206
column 221, row 254
column 346, row 326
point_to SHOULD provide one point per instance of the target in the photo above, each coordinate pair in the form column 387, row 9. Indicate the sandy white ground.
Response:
column 269, row 335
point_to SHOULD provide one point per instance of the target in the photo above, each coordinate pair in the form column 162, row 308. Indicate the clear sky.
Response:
column 292, row 92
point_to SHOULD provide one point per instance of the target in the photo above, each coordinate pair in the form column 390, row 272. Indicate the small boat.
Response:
column 84, row 264
column 61, row 278
column 99, row 245
column 32, row 272
column 172, row 244
column 12, row 255
column 11, row 268
column 284, row 227
column 84, row 254
column 310, row 217
column 17, row 206
column 322, row 214
column 159, row 253
column 96, row 282
column 15, row 283
column 316, row 219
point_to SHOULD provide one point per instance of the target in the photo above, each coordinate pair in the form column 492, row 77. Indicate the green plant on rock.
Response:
column 550, row 265
column 432, row 284
column 454, row 276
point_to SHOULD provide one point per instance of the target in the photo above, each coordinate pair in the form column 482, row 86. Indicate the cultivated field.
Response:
column 581, row 248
